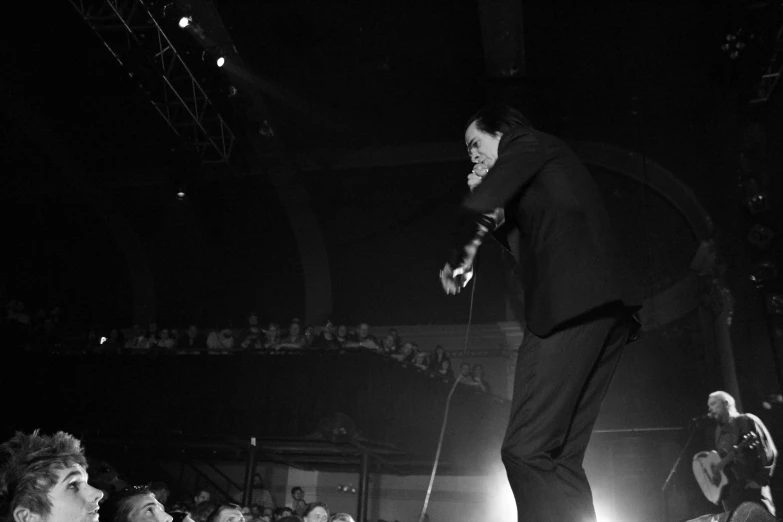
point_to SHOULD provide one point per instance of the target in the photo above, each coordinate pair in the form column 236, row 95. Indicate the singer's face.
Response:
column 482, row 147
column 717, row 408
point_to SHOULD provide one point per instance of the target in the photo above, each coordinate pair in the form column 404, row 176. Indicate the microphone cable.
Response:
column 448, row 403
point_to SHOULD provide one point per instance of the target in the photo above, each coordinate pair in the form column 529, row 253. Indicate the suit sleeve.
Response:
column 520, row 159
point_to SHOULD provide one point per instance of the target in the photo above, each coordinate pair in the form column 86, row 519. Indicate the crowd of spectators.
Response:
column 43, row 331
column 49, row 475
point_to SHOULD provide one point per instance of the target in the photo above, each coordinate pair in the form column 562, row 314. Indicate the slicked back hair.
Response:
column 498, row 118
column 118, row 507
column 28, row 470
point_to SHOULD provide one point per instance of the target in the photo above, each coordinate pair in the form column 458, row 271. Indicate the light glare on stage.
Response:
column 180, row 195
column 184, row 22
column 221, row 61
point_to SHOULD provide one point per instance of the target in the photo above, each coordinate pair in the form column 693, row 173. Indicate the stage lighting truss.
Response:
column 131, row 32
column 771, row 74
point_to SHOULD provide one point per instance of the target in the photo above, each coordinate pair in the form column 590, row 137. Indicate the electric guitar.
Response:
column 708, row 468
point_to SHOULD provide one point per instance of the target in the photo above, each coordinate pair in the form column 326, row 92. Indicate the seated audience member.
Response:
column 341, row 517
column 281, row 512
column 136, row 340
column 408, row 352
column 327, row 338
column 397, row 341
column 166, row 342
column 192, row 341
column 342, row 334
column 294, row 340
column 253, row 339
column 114, row 343
column 465, row 375
column 226, row 512
column 316, row 512
column 478, row 379
column 271, row 339
column 160, row 490
column 152, row 335
column 309, row 335
column 388, row 346
column 266, row 514
column 298, row 504
column 445, row 370
column 363, row 339
column 421, row 361
column 43, row 478
column 220, row 340
column 437, row 358
column 135, row 504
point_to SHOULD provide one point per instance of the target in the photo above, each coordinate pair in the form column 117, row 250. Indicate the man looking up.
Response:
column 44, row 479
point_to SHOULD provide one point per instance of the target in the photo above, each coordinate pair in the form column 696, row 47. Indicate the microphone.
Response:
column 701, row 417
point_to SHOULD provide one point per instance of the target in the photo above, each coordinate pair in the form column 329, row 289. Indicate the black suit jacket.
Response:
column 557, row 228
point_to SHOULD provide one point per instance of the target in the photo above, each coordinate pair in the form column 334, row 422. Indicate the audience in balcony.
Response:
column 166, row 342
column 478, row 379
column 221, row 340
column 281, row 512
column 389, row 345
column 114, row 342
column 445, row 370
column 327, row 338
column 362, row 338
column 342, row 334
column 422, row 361
column 271, row 339
column 192, row 341
column 437, row 358
column 295, row 339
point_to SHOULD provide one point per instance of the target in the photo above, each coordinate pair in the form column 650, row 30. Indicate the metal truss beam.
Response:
column 771, row 75
column 132, row 34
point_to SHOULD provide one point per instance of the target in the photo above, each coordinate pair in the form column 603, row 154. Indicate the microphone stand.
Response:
column 664, row 488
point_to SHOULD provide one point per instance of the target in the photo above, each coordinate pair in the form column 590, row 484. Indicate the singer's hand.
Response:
column 452, row 280
column 477, row 175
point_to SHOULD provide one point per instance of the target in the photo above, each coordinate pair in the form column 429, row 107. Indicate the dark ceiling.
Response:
column 337, row 75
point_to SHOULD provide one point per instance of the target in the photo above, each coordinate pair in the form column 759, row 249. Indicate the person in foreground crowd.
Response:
column 341, row 517
column 750, row 470
column 44, row 479
column 134, row 504
column 316, row 512
column 227, row 512
column 532, row 192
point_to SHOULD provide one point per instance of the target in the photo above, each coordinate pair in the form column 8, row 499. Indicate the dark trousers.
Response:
column 559, row 385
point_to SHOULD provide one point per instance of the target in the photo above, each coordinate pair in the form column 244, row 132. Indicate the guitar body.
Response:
column 703, row 464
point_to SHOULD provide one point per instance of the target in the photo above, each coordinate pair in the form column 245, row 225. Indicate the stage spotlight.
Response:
column 221, row 61
column 180, row 195
column 184, row 22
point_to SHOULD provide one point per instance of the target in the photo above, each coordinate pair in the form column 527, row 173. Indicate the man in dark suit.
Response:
column 534, row 194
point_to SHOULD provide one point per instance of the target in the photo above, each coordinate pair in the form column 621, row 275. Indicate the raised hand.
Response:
column 477, row 175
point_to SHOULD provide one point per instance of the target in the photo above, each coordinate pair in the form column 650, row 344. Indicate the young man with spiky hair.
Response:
column 43, row 479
